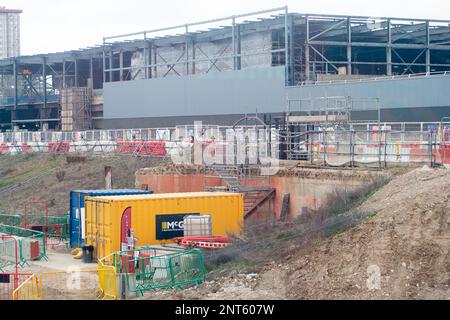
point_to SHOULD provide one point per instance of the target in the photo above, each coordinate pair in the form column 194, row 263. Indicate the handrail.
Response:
column 377, row 78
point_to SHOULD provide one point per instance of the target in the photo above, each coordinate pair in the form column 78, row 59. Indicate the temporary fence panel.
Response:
column 9, row 282
column 77, row 210
column 28, row 290
column 11, row 219
column 31, row 244
column 156, row 219
column 150, row 268
column 35, row 213
column 107, row 279
column 377, row 146
column 76, row 285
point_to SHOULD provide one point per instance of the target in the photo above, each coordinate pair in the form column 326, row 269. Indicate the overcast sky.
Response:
column 56, row 25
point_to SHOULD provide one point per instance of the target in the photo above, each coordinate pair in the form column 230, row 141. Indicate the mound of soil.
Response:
column 400, row 253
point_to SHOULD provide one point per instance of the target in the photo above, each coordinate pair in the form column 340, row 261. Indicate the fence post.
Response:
column 379, row 146
column 386, row 134
column 352, row 148
column 325, row 147
column 172, row 277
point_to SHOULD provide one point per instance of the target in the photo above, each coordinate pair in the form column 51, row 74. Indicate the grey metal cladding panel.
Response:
column 402, row 93
column 230, row 92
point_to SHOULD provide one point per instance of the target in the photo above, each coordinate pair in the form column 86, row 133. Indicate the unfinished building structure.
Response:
column 220, row 69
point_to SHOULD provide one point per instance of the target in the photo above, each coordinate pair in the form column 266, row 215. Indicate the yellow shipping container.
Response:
column 156, row 218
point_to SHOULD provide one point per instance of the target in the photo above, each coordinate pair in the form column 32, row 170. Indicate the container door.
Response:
column 82, row 224
column 74, row 220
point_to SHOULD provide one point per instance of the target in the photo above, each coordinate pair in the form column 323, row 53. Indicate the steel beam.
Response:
column 379, row 45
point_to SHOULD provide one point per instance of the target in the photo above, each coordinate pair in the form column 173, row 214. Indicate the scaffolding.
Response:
column 76, row 111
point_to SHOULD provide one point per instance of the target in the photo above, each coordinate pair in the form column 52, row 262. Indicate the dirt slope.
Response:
column 407, row 241
column 45, row 184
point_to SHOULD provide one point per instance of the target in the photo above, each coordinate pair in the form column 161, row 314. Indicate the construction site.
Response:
column 268, row 155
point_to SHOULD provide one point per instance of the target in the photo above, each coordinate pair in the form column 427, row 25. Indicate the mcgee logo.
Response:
column 169, row 226
column 173, row 226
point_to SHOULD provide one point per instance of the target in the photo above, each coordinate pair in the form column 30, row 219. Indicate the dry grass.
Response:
column 271, row 242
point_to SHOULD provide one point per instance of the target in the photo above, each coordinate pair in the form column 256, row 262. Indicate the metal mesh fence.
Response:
column 9, row 282
column 76, row 285
column 59, row 285
column 369, row 147
column 150, row 268
column 28, row 290
column 55, row 227
column 31, row 246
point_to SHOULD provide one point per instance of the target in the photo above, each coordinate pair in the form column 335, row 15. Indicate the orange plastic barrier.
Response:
column 153, row 148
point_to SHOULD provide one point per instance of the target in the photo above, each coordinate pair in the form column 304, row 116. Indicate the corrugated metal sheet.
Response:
column 155, row 219
column 230, row 92
column 414, row 92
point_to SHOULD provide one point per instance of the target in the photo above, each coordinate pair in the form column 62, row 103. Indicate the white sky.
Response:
column 57, row 25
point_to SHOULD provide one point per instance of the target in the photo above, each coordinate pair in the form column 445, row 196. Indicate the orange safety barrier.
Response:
column 4, row 148
column 154, row 148
column 58, row 147
column 26, row 148
column 204, row 242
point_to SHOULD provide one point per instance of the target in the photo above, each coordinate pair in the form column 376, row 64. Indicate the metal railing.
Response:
column 379, row 78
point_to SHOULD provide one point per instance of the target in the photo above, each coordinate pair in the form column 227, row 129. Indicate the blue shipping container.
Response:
column 77, row 217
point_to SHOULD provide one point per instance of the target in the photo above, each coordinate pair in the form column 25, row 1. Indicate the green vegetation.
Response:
column 10, row 176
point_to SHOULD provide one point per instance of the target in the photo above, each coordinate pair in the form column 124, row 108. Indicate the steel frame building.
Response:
column 312, row 48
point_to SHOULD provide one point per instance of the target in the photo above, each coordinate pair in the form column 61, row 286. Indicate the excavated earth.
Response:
column 400, row 253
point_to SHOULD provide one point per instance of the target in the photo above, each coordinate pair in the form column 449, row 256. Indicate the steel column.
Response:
column 146, row 56
column 44, row 78
column 389, row 49
column 187, row 48
column 238, row 48
column 233, row 41
column 349, row 47
column 76, row 73
column 307, row 53
column 91, row 70
column 111, row 61
column 286, row 45
column 427, row 52
column 155, row 57
column 16, row 89
column 121, row 65
column 291, row 50
column 64, row 75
